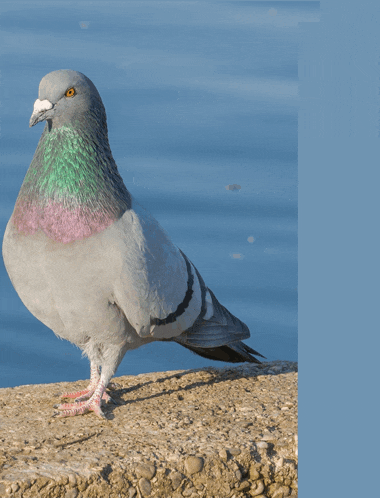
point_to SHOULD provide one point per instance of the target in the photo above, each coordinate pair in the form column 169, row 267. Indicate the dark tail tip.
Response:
column 237, row 352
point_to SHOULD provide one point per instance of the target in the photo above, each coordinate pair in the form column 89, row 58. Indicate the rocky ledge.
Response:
column 213, row 432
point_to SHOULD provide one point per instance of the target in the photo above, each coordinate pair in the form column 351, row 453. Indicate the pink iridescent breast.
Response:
column 59, row 222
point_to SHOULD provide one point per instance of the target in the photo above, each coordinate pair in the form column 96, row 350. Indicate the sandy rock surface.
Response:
column 226, row 432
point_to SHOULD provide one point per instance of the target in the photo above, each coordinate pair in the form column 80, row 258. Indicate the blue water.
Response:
column 199, row 95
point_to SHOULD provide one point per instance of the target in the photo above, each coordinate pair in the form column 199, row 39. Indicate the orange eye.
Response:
column 70, row 92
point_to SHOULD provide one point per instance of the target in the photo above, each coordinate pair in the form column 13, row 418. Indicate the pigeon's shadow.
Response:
column 218, row 376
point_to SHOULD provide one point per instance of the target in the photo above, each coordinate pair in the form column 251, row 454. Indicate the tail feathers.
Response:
column 218, row 330
column 236, row 352
column 217, row 334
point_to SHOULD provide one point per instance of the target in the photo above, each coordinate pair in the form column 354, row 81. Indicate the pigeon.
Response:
column 91, row 263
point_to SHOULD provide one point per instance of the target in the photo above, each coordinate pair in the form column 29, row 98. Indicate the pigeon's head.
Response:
column 65, row 96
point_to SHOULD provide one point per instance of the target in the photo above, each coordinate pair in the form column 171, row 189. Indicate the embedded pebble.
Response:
column 234, row 451
column 244, row 485
column 188, row 492
column 145, row 486
column 257, row 488
column 281, row 492
column 280, row 462
column 71, row 493
column 262, row 445
column 253, row 472
column 72, row 480
column 193, row 464
column 223, row 455
column 144, row 470
column 176, row 478
column 268, row 437
column 15, row 487
column 131, row 492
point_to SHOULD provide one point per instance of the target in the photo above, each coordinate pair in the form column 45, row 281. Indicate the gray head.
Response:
column 65, row 96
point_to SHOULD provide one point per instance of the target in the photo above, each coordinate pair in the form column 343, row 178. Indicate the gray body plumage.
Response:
column 122, row 283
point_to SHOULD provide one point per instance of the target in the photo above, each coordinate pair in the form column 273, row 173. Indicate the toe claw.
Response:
column 106, row 397
column 114, row 401
column 99, row 413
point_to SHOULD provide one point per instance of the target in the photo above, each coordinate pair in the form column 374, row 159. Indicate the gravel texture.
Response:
column 206, row 433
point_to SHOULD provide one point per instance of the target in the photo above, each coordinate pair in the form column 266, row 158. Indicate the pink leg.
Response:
column 94, row 379
column 97, row 389
column 92, row 404
column 89, row 391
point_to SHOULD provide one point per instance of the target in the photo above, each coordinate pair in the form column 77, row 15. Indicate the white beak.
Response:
column 40, row 106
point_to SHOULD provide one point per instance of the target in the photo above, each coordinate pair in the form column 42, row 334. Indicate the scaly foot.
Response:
column 80, row 407
column 85, row 394
column 72, row 409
